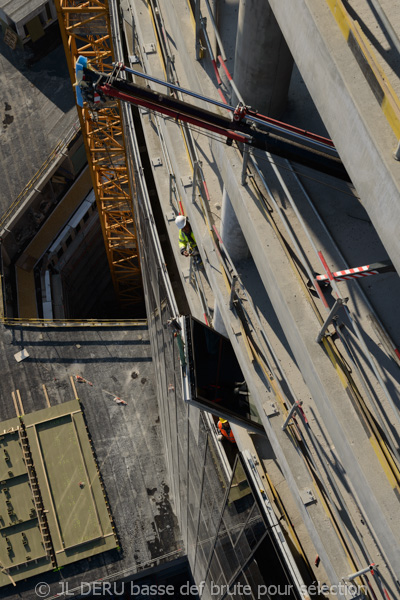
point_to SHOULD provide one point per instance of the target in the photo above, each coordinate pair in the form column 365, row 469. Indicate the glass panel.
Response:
column 226, row 555
column 253, row 576
column 216, row 579
column 194, row 500
column 255, row 528
column 191, row 539
column 242, row 528
column 218, row 380
column 242, row 590
column 213, row 494
column 206, row 595
column 204, row 540
column 173, row 410
column 200, row 566
column 240, row 503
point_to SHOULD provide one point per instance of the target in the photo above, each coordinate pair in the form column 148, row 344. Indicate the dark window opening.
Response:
column 216, row 379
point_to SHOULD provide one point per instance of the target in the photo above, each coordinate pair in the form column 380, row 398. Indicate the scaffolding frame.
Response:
column 86, row 31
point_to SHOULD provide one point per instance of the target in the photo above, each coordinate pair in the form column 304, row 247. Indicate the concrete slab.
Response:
column 18, row 9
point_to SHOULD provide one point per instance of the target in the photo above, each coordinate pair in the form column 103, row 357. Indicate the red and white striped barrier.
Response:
column 357, row 272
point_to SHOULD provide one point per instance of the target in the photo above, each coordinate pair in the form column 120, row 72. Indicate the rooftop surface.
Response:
column 52, row 490
column 19, row 9
column 37, row 110
column 113, row 361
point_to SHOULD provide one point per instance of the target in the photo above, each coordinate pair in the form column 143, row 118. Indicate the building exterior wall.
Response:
column 222, row 526
column 198, row 483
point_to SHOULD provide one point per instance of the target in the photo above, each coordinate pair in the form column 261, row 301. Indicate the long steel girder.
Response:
column 86, row 31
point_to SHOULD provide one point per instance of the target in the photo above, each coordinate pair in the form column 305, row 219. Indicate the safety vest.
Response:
column 226, row 431
column 185, row 241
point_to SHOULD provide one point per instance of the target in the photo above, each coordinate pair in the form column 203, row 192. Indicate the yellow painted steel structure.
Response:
column 86, row 31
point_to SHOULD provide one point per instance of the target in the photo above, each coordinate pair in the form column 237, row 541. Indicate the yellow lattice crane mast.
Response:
column 86, row 31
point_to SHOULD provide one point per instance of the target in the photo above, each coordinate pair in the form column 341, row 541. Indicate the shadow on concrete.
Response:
column 44, row 65
column 107, row 342
column 390, row 56
column 94, row 360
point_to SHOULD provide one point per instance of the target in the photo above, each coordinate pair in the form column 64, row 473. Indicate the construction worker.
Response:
column 226, row 430
column 187, row 241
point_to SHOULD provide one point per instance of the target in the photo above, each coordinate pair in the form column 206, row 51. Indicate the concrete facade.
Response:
column 268, row 278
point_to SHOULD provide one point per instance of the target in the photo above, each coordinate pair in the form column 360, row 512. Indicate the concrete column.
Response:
column 235, row 244
column 218, row 323
column 210, row 28
column 263, row 63
column 231, row 232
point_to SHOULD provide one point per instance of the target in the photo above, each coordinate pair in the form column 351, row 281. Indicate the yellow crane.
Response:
column 86, row 31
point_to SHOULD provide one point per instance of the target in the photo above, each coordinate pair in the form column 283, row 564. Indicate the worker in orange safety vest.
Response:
column 226, row 430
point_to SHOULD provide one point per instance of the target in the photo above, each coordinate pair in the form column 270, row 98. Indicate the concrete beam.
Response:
column 349, row 110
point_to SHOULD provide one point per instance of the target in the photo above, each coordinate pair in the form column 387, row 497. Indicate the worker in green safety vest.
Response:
column 187, row 241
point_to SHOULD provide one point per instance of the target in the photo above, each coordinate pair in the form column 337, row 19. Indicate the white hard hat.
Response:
column 180, row 221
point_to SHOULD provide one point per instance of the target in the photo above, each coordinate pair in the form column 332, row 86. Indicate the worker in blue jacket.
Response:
column 187, row 241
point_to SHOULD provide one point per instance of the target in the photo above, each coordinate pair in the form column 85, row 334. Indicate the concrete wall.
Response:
column 349, row 110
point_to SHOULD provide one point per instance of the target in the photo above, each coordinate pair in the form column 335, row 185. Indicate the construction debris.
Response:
column 81, row 379
column 119, row 400
column 21, row 355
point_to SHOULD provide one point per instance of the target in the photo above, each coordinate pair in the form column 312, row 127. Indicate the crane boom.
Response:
column 244, row 126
